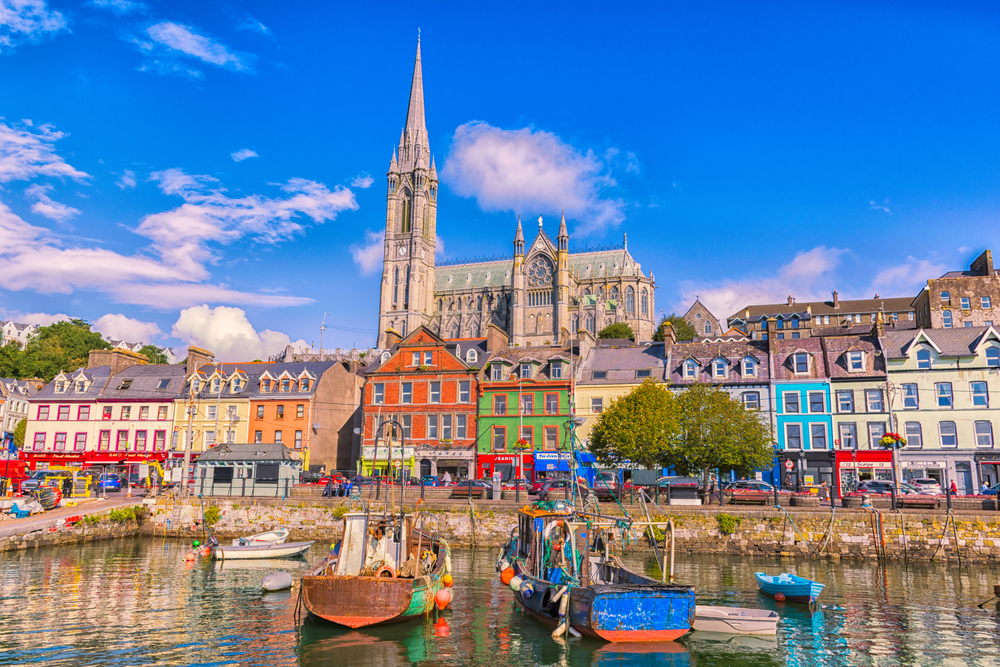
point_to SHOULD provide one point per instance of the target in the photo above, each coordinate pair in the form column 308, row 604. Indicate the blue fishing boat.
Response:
column 562, row 575
column 796, row 589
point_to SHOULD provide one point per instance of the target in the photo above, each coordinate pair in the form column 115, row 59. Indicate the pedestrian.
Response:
column 824, row 491
column 711, row 493
column 446, row 480
column 328, row 491
column 67, row 487
column 954, row 488
column 984, row 488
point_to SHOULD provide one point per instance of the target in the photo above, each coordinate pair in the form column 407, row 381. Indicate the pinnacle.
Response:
column 415, row 122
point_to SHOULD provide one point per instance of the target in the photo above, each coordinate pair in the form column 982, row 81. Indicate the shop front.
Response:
column 800, row 468
column 944, row 468
column 861, row 465
column 436, row 461
column 988, row 467
column 505, row 465
column 556, row 465
column 377, row 463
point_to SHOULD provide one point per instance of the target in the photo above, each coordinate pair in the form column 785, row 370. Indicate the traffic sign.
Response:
column 788, row 464
column 397, row 463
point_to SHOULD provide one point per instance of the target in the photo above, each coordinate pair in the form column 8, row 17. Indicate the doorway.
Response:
column 963, row 472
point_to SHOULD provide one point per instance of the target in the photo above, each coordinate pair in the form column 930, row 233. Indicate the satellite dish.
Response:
column 316, row 426
column 357, row 431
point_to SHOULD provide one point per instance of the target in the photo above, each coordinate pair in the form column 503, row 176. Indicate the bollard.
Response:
column 776, row 503
column 722, row 495
column 517, row 490
column 421, row 487
column 656, row 493
column 947, row 495
column 668, row 495
column 632, row 492
column 892, row 493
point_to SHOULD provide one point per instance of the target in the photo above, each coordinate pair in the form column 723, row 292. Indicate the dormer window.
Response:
column 285, row 385
column 600, row 375
column 162, row 383
column 265, row 385
column 61, row 386
column 525, row 372
column 385, row 357
column 795, row 323
column 195, row 386
column 993, row 357
column 855, row 361
column 690, row 369
column 750, row 367
column 216, row 386
column 496, row 371
column 924, row 359
column 555, row 370
column 237, row 385
column 428, row 358
column 719, row 368
column 305, row 384
column 81, row 386
column 643, row 373
column 801, row 361
column 471, row 357
column 125, row 384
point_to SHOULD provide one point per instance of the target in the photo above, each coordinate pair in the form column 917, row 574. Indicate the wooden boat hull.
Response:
column 357, row 602
column 796, row 589
column 735, row 620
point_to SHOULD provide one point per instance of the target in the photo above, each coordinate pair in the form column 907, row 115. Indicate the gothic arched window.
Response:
column 454, row 331
column 590, row 323
column 440, row 305
column 406, row 221
column 395, row 285
column 629, row 300
column 406, row 289
column 586, row 291
column 645, row 301
column 479, row 304
column 540, row 272
column 575, row 325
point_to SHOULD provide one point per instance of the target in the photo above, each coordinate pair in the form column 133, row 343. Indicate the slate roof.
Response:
column 541, row 355
column 246, row 451
column 97, row 377
column 704, row 353
column 957, row 342
column 473, row 275
column 891, row 305
column 144, row 381
column 783, row 351
column 620, row 364
column 836, row 356
column 254, row 373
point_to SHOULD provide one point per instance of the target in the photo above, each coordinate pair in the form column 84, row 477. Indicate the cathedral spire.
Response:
column 563, row 237
column 519, row 238
column 415, row 124
column 434, row 171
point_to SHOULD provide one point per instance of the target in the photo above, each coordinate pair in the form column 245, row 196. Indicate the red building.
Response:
column 427, row 385
column 859, row 465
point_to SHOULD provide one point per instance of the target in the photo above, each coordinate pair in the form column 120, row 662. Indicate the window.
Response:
column 923, row 359
column 300, row 411
column 949, row 434
column 279, row 412
column 144, row 412
column 873, row 398
column 265, row 385
column 62, row 413
column 751, row 400
column 416, row 359
column 945, row 297
column 793, row 436
column 690, row 368
column 946, row 318
column 471, row 357
column 140, row 441
column 500, row 404
column 161, row 412
column 551, row 437
column 980, row 395
column 406, row 395
column 446, row 427
column 499, row 438
column 966, row 303
column 43, row 412
column 643, row 373
column 781, row 323
column 750, row 367
column 984, row 434
column 875, row 432
column 378, row 395
column 555, row 370
column 551, row 404
column 816, row 402
column 464, row 391
column 597, row 405
column 848, row 435
column 104, row 441
column 407, row 428
column 993, row 357
column 125, row 384
column 40, row 441
column 801, row 362
column 160, row 440
column 122, row 441
column 258, row 436
column 460, row 426
column 306, row 384
column 855, row 361
column 781, row 336
column 496, row 371
column 911, row 400
column 126, row 412
column 984, row 302
column 61, row 386
column 708, row 329
column 817, row 436
column 83, row 414
column 435, row 393
column 527, row 404
column 528, row 435
column 845, row 401
column 719, row 368
column 600, row 375
column 285, row 385
column 791, row 402
column 216, row 385
column 914, row 437
column 80, row 442
column 277, row 436
column 966, row 324
column 260, row 412
column 428, row 358
column 60, row 444
column 432, row 427
column 210, row 438
column 81, row 386
column 943, row 392
column 525, row 371
column 212, row 412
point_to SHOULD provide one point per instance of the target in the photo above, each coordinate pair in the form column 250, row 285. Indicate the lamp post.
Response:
column 520, row 430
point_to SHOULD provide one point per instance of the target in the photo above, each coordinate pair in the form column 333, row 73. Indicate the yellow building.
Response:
column 213, row 407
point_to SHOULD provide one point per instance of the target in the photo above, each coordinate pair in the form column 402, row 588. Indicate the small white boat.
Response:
column 735, row 620
column 270, row 537
column 287, row 550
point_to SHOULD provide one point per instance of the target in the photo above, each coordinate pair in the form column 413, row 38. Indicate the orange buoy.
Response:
column 190, row 556
column 441, row 628
column 506, row 576
column 780, row 597
column 442, row 598
column 447, row 580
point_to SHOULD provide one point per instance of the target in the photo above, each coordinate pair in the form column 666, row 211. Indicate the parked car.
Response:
column 749, row 485
column 606, row 486
column 34, row 481
column 552, row 489
column 664, row 482
column 430, row 480
column 875, row 486
column 927, row 486
column 108, row 482
column 310, row 477
column 992, row 491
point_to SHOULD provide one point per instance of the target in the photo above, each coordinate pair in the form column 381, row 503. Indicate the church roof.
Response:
column 472, row 276
column 604, row 264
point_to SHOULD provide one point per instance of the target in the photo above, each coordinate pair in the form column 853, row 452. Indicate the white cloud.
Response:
column 127, row 181
column 186, row 40
column 368, row 256
column 45, row 205
column 439, row 247
column 877, row 207
column 27, row 21
column 40, row 319
column 228, row 333
column 241, row 155
column 120, row 327
column 363, row 181
column 119, row 6
column 29, row 151
column 907, row 278
column 530, row 171
column 251, row 24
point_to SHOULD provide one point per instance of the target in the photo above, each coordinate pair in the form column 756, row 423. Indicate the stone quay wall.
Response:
column 59, row 532
column 768, row 532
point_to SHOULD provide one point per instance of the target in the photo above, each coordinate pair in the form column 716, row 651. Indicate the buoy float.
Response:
column 447, row 580
column 506, row 575
column 441, row 628
column 515, row 583
column 277, row 581
column 190, row 556
column 780, row 597
column 442, row 598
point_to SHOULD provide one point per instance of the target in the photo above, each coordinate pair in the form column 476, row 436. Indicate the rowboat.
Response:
column 559, row 577
column 793, row 588
column 270, row 537
column 735, row 620
column 382, row 571
column 286, row 550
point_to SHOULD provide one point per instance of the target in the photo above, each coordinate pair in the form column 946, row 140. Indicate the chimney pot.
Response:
column 836, row 299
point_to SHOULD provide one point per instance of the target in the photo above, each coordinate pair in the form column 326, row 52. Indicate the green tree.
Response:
column 154, row 354
column 682, row 330
column 617, row 330
column 60, row 346
column 717, row 432
column 19, row 431
column 11, row 360
column 639, row 429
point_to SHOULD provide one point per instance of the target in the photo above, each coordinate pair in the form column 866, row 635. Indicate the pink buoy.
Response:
column 780, row 597
column 442, row 598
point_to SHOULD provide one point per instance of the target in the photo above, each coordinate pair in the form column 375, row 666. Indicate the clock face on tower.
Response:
column 402, row 251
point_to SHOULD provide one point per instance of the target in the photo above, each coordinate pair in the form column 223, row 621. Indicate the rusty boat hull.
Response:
column 358, row 602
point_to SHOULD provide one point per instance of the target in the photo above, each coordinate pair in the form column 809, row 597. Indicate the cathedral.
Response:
column 541, row 295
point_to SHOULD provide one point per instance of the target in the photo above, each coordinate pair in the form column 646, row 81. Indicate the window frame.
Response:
column 811, row 395
column 406, row 393
column 988, row 434
column 855, row 361
column 499, row 433
column 690, row 369
column 554, row 432
column 749, row 367
column 785, row 403
column 432, row 427
column 799, row 359
column 941, row 395
column 720, row 367
column 914, row 397
column 878, row 398
column 527, row 404
column 841, row 395
column 910, row 433
column 596, row 405
column 824, row 435
column 947, row 321
column 965, row 302
column 851, row 429
column 976, row 396
column 464, row 391
column 500, row 405
column 434, row 391
column 788, row 437
column 461, row 427
column 750, row 405
column 551, row 399
column 954, row 434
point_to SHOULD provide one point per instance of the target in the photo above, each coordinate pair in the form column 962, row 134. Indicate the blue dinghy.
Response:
column 796, row 589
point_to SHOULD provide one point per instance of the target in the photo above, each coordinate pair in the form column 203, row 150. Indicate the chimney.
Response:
column 791, row 301
column 878, row 326
column 669, row 335
column 586, row 343
column 836, row 299
column 117, row 358
column 983, row 265
column 198, row 357
column 496, row 339
column 391, row 338
column 772, row 333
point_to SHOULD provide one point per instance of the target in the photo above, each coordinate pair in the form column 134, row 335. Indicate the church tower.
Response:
column 407, row 298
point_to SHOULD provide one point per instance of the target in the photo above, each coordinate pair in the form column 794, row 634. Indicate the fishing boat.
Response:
column 270, row 537
column 383, row 570
column 562, row 574
column 263, row 550
column 789, row 586
column 735, row 620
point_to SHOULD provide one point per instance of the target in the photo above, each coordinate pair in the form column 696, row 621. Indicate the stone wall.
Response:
column 60, row 533
column 765, row 532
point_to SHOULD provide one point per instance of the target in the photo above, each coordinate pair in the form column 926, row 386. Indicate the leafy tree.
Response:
column 154, row 354
column 639, row 429
column 19, row 432
column 617, row 330
column 60, row 346
column 682, row 330
column 717, row 432
column 11, row 359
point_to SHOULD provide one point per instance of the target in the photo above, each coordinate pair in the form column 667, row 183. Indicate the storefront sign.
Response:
column 865, row 464
column 368, row 452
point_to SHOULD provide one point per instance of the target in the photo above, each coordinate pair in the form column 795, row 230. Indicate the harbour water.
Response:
column 135, row 602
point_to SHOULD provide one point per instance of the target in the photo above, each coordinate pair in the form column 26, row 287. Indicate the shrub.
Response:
column 339, row 512
column 212, row 515
column 728, row 523
column 122, row 514
column 91, row 519
column 654, row 534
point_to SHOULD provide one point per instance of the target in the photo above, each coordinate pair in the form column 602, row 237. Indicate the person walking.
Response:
column 984, row 488
column 954, row 488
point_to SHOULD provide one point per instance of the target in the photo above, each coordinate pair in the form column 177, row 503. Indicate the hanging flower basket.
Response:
column 892, row 441
column 522, row 444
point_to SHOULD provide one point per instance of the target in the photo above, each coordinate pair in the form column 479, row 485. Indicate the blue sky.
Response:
column 213, row 172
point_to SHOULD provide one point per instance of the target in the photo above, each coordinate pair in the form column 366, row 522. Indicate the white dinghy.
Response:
column 286, row 550
column 735, row 620
column 270, row 537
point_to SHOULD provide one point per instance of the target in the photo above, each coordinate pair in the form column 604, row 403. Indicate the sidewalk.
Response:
column 57, row 516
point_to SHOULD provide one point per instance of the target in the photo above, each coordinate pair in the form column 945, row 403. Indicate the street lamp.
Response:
column 520, row 432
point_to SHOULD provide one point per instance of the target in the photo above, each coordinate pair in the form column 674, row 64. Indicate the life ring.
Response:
column 548, row 528
column 386, row 572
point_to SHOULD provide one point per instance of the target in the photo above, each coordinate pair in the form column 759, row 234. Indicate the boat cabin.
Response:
column 379, row 546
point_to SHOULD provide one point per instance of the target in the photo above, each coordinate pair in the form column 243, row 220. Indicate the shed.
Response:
column 247, row 469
